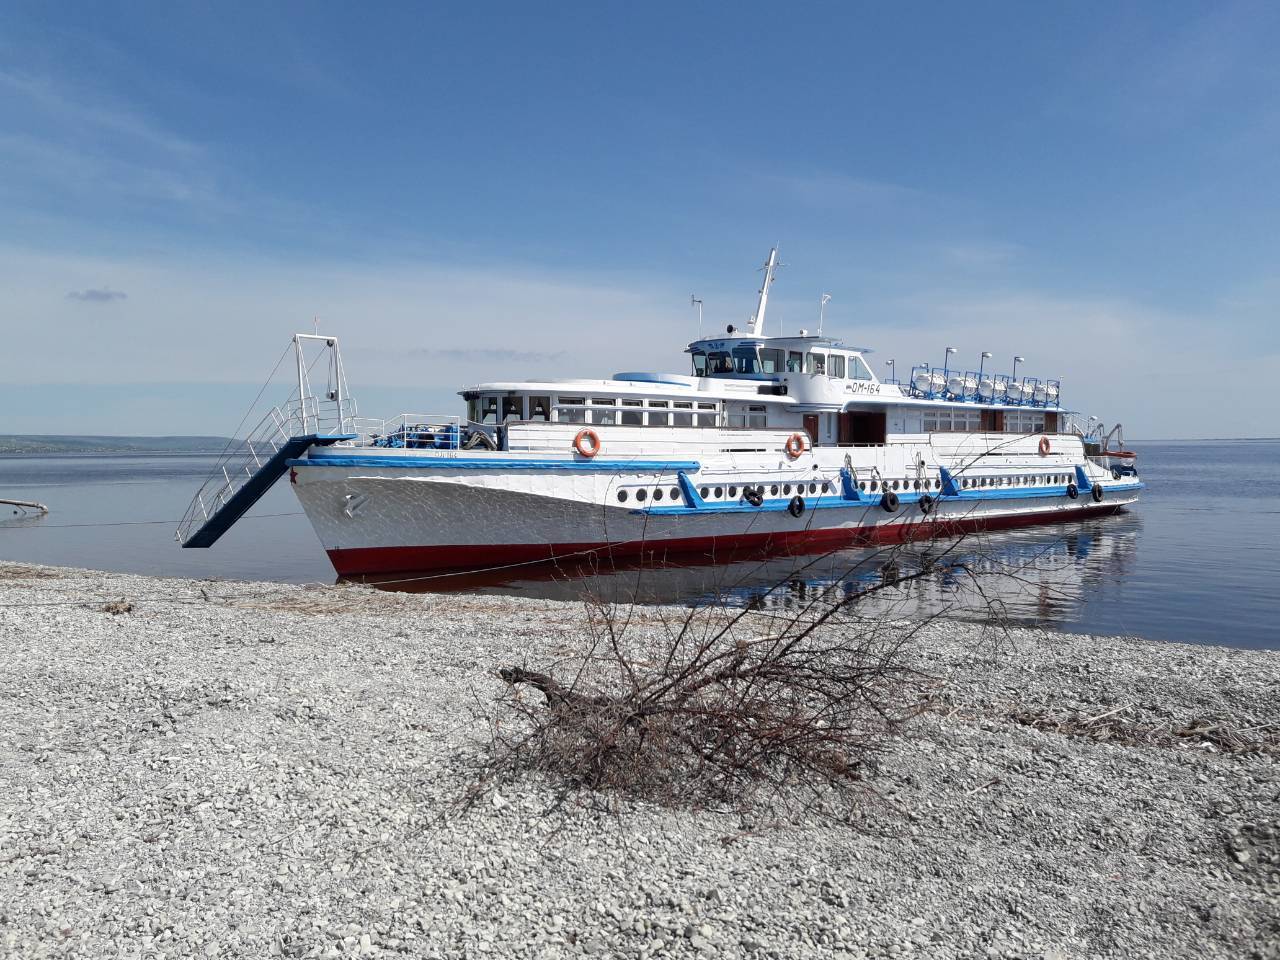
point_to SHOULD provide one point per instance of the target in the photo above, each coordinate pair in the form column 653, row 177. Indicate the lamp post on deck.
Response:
column 695, row 302
column 1016, row 361
column 986, row 355
column 946, row 363
column 889, row 364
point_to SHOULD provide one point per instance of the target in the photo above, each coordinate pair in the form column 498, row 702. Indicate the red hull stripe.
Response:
column 473, row 557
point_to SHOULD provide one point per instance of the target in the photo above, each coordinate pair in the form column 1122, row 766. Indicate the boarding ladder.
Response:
column 249, row 467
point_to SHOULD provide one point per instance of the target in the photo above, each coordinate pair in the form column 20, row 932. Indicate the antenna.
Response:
column 757, row 322
column 694, row 301
column 822, row 310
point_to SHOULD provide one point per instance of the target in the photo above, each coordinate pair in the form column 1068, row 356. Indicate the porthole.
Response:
column 773, row 490
column 675, row 493
column 642, row 495
column 863, row 486
column 825, row 486
column 875, row 485
column 813, row 488
column 895, row 484
column 622, row 496
column 704, row 492
column 719, row 491
column 915, row 485
column 657, row 494
column 786, row 488
column 733, row 492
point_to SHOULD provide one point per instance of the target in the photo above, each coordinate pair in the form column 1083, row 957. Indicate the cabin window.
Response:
column 630, row 417
column 795, row 361
column 756, row 417
column 488, row 410
column 699, row 364
column 836, row 370
column 1023, row 421
column 706, row 415
column 858, row 370
column 952, row 421
column 683, row 417
column 816, row 363
column 603, row 416
column 512, row 408
column 772, row 361
column 539, row 408
column 658, row 416
column 571, row 410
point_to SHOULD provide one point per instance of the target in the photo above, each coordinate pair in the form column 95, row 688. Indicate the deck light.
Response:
column 946, row 362
column 986, row 355
column 889, row 364
column 1016, row 361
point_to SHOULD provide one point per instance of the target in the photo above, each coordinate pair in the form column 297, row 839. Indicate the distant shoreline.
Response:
column 38, row 444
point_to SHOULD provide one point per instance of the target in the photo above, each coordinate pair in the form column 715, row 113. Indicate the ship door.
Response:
column 862, row 427
column 811, row 427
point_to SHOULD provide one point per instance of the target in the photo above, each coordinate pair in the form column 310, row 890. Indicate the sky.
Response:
column 470, row 192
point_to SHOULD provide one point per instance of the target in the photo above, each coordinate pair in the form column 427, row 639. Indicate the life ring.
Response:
column 795, row 446
column 1044, row 446
column 796, row 506
column 587, row 443
column 1073, row 491
column 1097, row 492
column 889, row 501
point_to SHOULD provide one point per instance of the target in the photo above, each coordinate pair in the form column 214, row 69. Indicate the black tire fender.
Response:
column 1073, row 491
column 926, row 504
column 889, row 501
column 1098, row 493
column 796, row 506
column 754, row 495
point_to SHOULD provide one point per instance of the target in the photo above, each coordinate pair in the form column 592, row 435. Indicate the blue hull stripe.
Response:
column 495, row 463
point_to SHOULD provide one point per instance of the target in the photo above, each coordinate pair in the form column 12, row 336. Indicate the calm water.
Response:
column 1190, row 563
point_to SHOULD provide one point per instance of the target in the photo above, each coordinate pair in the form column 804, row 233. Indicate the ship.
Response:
column 767, row 444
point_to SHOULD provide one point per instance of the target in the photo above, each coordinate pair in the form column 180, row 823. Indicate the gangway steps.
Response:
column 256, row 486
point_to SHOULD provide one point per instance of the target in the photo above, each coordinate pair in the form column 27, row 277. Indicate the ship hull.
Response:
column 415, row 516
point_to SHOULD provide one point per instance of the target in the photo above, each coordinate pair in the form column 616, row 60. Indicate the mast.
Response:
column 757, row 322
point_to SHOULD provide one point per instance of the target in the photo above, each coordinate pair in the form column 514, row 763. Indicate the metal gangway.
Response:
column 250, row 465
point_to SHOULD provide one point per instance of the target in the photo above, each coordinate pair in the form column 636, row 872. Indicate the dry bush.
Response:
column 739, row 709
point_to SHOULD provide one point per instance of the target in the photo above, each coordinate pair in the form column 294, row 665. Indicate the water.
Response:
column 1195, row 561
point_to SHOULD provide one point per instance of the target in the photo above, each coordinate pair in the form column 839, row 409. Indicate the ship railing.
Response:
column 417, row 431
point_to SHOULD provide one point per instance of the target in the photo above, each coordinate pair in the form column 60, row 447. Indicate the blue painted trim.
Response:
column 949, row 486
column 1083, row 483
column 495, row 463
column 691, row 496
column 848, row 488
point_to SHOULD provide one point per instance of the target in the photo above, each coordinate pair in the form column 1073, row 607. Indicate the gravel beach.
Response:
column 259, row 770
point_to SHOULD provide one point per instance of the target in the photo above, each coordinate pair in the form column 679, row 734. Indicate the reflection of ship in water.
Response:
column 1038, row 575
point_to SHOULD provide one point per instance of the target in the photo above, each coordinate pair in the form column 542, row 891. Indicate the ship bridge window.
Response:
column 512, row 408
column 719, row 361
column 699, row 363
column 836, row 369
column 745, row 360
column 571, row 410
column 772, row 361
column 795, row 361
column 815, row 363
column 539, row 408
column 630, row 417
column 858, row 370
column 488, row 410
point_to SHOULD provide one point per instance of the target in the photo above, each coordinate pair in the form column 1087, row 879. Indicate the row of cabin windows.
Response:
column 597, row 410
column 956, row 420
column 837, row 366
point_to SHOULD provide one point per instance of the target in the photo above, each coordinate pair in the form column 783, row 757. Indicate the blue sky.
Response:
column 483, row 191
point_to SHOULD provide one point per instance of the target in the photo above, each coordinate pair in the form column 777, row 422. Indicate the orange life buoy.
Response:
column 795, row 446
column 1044, row 446
column 587, row 442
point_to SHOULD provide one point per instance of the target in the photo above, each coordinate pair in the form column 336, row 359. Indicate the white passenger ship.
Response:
column 787, row 444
